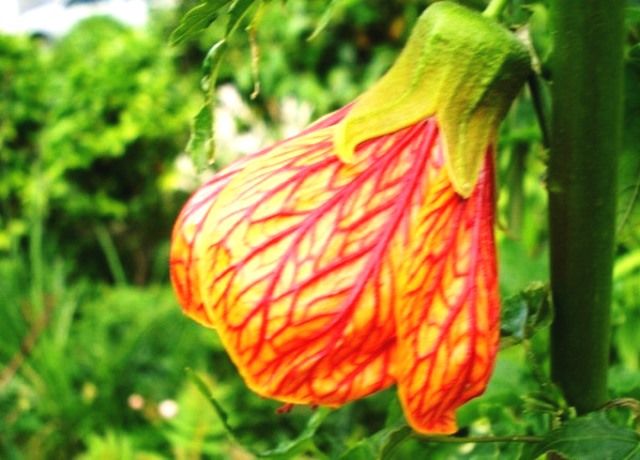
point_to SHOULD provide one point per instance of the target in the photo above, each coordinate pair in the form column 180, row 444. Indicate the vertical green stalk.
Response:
column 586, row 130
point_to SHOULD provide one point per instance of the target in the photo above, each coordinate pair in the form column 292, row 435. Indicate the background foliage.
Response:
column 93, row 348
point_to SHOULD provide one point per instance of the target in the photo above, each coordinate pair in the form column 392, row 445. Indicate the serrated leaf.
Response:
column 303, row 442
column 200, row 145
column 197, row 19
column 592, row 437
column 525, row 313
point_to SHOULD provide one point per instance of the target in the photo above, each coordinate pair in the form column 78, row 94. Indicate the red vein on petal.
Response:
column 448, row 384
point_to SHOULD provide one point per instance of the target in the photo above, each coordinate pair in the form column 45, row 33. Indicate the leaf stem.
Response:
column 494, row 9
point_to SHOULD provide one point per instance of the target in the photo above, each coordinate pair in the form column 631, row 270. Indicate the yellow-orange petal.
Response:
column 186, row 230
column 447, row 315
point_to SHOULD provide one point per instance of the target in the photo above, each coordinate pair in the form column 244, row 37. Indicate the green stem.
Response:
column 478, row 439
column 494, row 8
column 585, row 140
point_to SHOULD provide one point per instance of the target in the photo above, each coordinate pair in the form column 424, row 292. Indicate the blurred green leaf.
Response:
column 303, row 443
column 325, row 18
column 380, row 446
column 220, row 412
column 237, row 12
column 286, row 449
column 539, row 30
column 211, row 63
column 525, row 313
column 200, row 144
column 198, row 19
column 592, row 437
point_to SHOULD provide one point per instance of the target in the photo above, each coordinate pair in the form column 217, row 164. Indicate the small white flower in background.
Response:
column 186, row 177
column 238, row 131
column 135, row 401
column 168, row 408
column 295, row 115
column 230, row 99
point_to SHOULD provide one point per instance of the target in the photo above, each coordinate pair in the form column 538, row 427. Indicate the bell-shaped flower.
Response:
column 360, row 253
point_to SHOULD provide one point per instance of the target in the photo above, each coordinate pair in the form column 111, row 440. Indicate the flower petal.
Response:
column 184, row 276
column 186, row 230
column 447, row 319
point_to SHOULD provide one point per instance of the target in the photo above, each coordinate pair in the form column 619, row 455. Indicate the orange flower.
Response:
column 332, row 272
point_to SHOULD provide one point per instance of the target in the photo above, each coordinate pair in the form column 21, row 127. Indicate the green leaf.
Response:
column 539, row 31
column 380, row 446
column 212, row 60
column 287, row 449
column 324, row 19
column 303, row 443
column 591, row 437
column 220, row 412
column 197, row 19
column 237, row 12
column 525, row 313
column 395, row 413
column 200, row 145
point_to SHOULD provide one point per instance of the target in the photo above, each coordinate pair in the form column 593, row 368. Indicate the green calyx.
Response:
column 458, row 65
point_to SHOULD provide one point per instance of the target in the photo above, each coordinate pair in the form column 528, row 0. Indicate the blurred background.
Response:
column 95, row 113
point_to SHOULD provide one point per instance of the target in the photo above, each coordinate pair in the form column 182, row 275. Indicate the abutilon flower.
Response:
column 359, row 253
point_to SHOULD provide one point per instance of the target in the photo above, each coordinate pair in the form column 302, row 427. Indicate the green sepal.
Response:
column 458, row 65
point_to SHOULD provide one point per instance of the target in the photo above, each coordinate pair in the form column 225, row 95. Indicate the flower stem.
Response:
column 494, row 8
column 585, row 140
